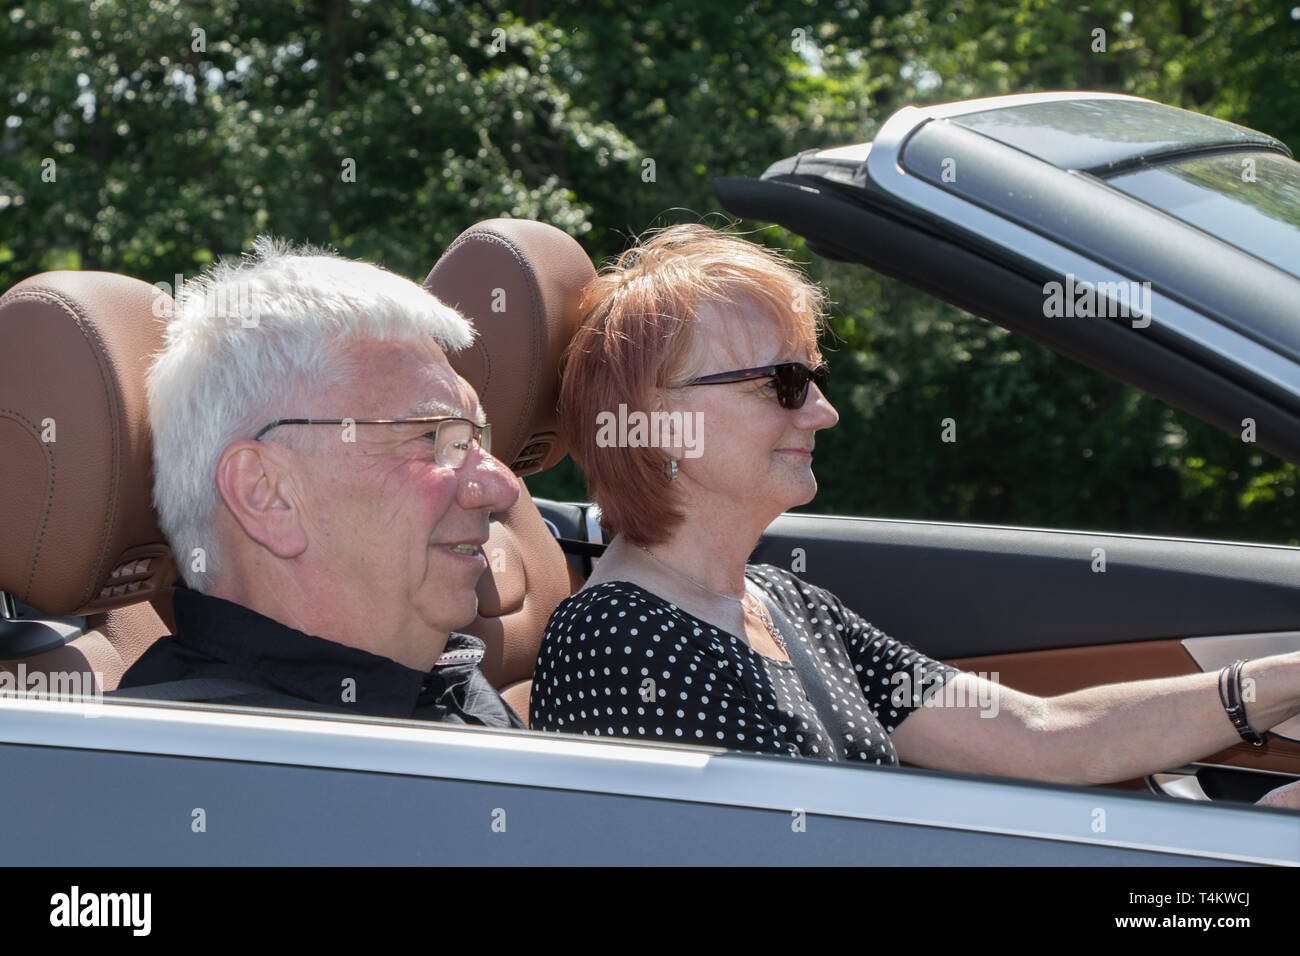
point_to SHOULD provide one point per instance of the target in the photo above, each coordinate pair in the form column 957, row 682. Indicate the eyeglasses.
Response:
column 791, row 379
column 452, row 437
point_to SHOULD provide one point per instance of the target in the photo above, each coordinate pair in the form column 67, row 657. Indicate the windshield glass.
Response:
column 1096, row 133
column 1250, row 199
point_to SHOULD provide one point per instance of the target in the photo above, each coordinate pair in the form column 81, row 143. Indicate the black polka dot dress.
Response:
column 619, row 661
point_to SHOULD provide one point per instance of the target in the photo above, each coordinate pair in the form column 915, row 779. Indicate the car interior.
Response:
column 87, row 575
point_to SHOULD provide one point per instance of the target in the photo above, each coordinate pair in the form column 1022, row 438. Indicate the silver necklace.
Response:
column 755, row 606
column 767, row 623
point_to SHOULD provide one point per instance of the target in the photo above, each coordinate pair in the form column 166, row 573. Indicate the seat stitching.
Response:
column 49, row 497
column 534, row 311
column 88, row 332
column 478, row 338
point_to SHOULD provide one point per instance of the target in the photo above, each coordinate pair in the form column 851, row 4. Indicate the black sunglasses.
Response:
column 791, row 379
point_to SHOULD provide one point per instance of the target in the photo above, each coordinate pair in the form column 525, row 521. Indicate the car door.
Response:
column 184, row 784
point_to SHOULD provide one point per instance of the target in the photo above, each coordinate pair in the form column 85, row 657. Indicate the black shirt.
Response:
column 618, row 660
column 216, row 638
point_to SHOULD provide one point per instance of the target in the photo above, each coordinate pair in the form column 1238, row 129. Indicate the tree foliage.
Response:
column 179, row 131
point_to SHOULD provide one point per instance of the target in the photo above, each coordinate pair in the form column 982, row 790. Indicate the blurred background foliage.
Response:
column 180, row 131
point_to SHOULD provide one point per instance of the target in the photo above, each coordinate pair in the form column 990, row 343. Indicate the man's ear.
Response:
column 259, row 485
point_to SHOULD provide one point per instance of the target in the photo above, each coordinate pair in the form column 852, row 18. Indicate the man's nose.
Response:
column 488, row 483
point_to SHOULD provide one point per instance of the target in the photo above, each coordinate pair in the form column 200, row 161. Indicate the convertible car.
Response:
column 1157, row 245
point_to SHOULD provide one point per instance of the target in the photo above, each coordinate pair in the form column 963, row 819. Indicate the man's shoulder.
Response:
column 167, row 659
column 170, row 671
column 202, row 666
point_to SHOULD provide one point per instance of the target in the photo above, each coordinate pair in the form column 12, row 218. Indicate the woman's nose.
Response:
column 817, row 411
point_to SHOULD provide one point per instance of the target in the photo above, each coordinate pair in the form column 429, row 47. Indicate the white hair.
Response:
column 255, row 340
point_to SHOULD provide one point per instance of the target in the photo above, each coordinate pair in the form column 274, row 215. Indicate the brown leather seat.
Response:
column 78, row 534
column 519, row 282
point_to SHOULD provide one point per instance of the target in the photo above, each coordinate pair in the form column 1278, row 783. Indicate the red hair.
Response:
column 639, row 325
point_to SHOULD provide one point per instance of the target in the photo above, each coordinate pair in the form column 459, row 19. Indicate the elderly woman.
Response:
column 711, row 342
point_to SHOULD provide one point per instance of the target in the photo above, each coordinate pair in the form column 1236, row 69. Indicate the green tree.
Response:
column 179, row 131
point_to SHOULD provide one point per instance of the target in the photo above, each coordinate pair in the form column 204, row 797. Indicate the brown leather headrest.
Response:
column 77, row 528
column 519, row 282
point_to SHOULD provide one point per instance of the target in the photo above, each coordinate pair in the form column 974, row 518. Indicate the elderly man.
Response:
column 324, row 479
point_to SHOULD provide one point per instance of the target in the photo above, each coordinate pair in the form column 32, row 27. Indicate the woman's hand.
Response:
column 1288, row 797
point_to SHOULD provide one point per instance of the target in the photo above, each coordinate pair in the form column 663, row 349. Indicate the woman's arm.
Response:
column 1092, row 736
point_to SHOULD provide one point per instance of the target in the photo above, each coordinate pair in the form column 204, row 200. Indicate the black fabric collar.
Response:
column 314, row 668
